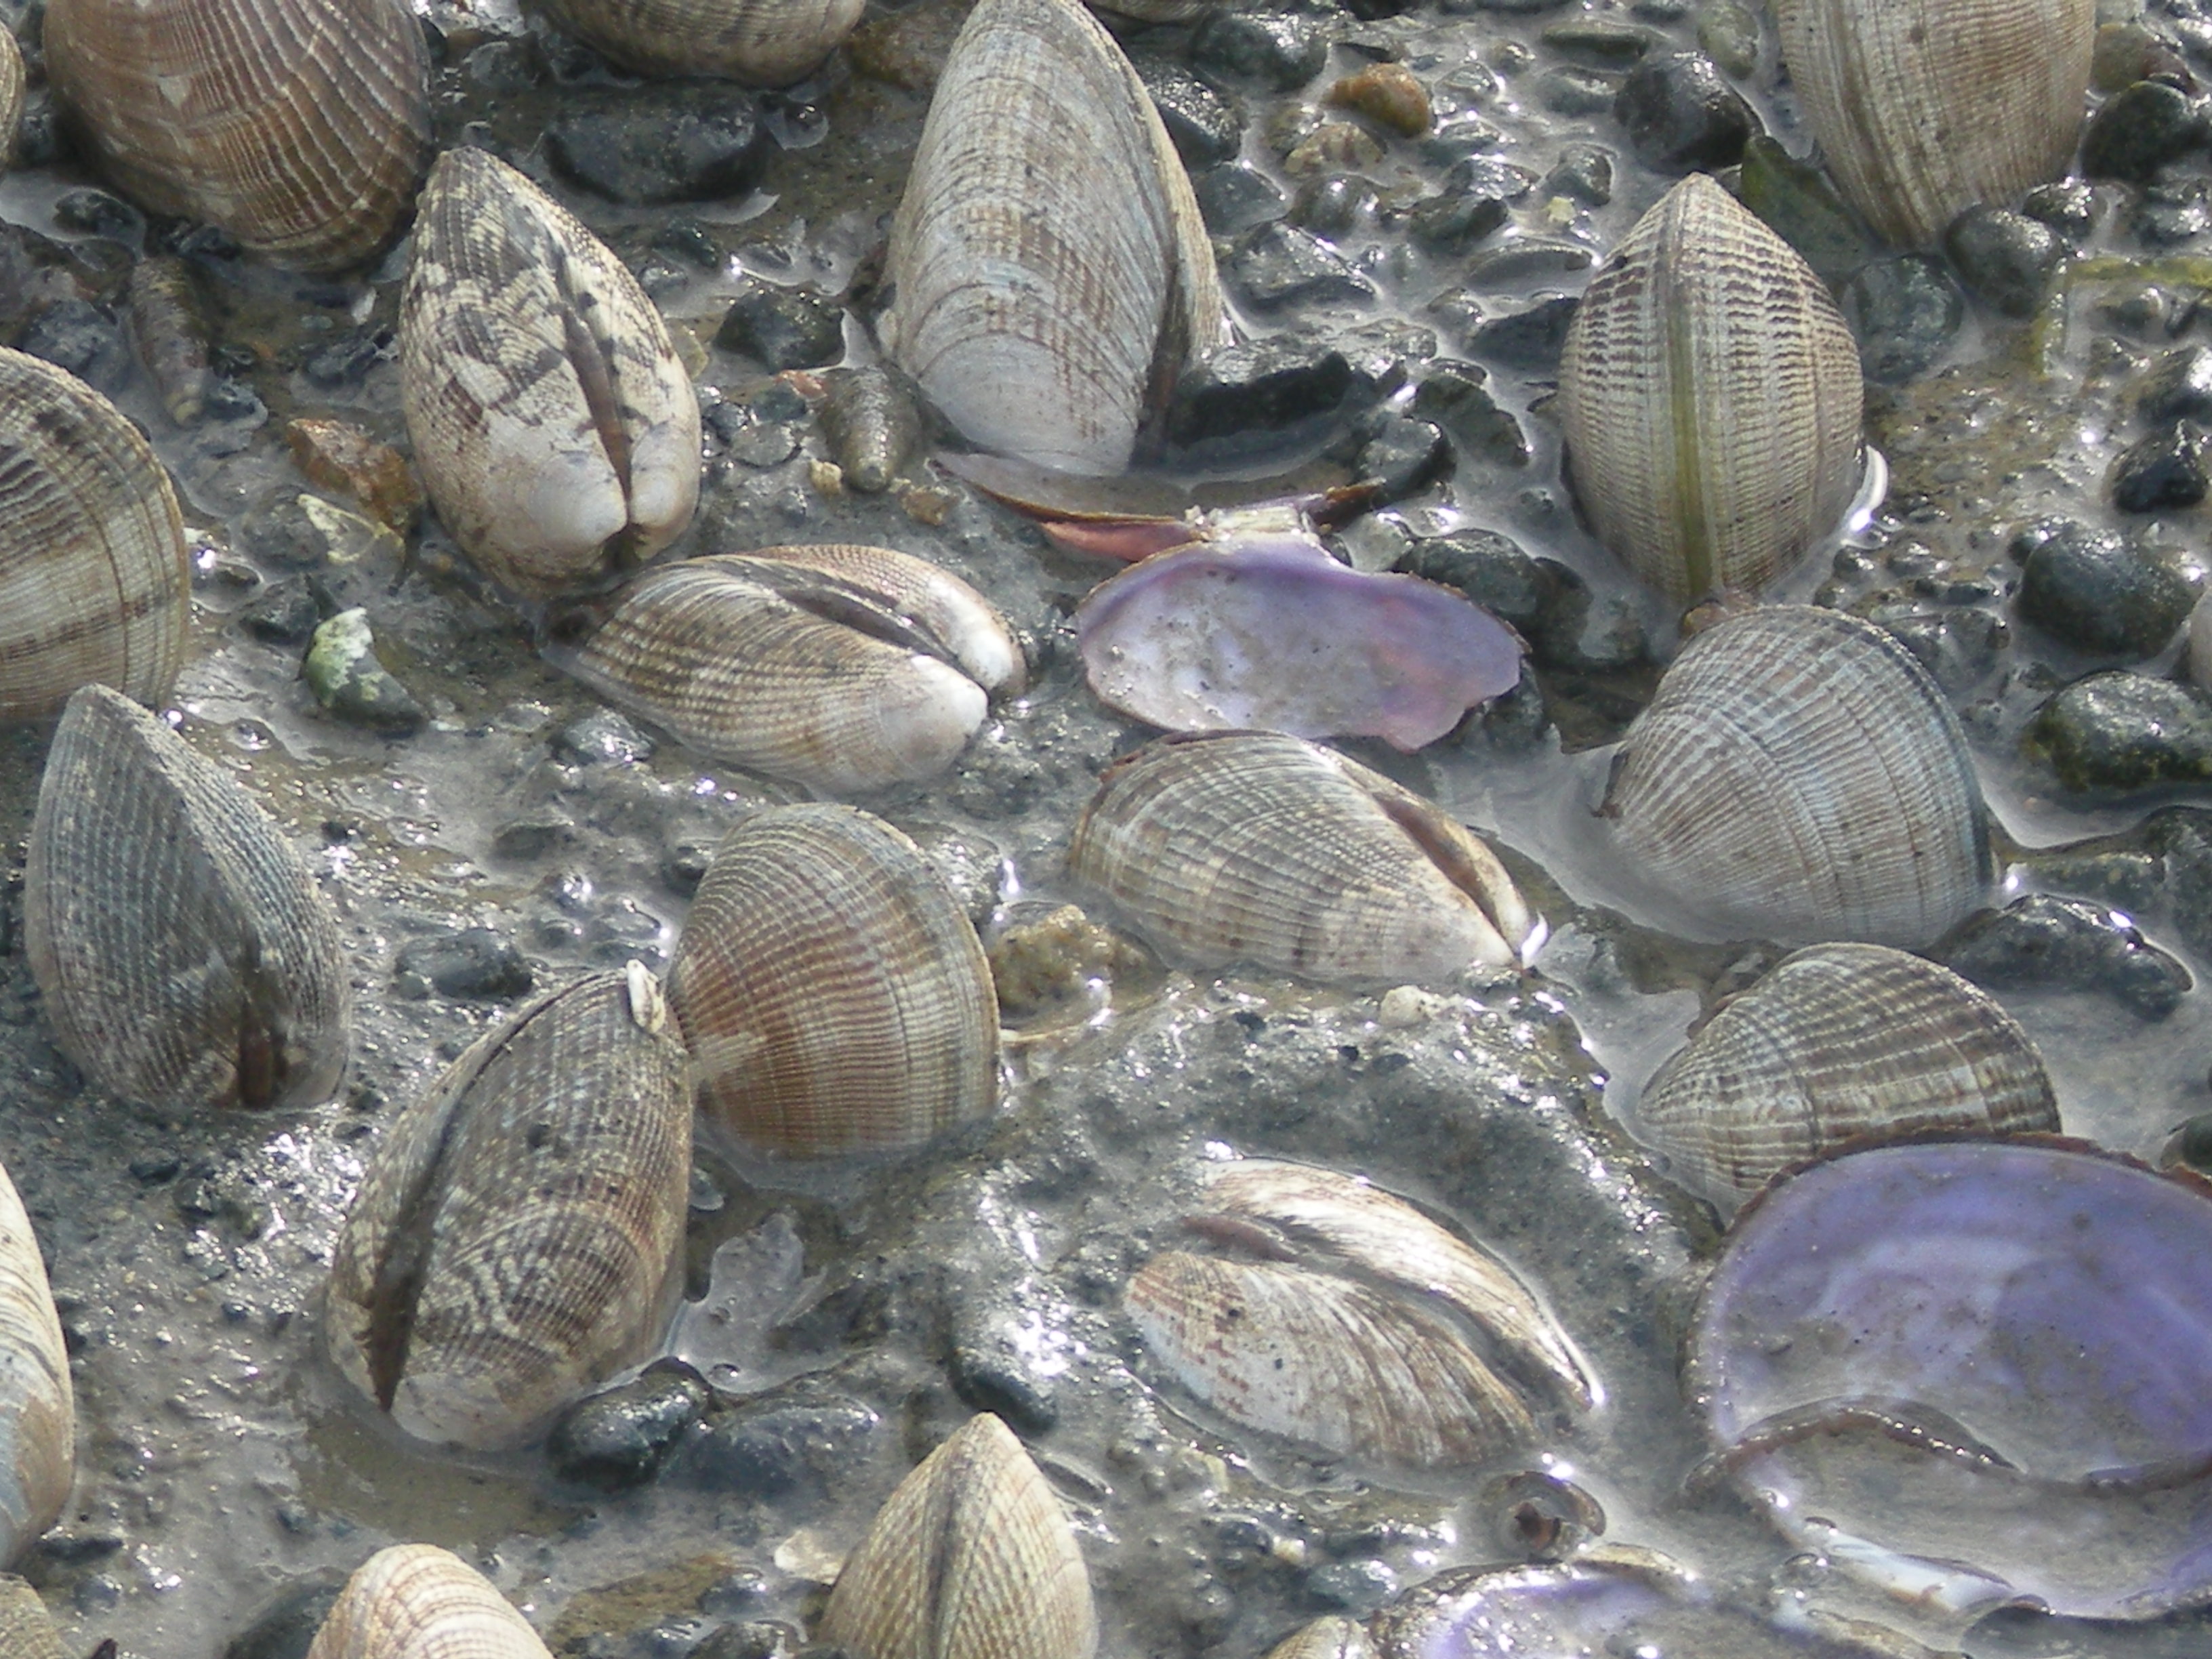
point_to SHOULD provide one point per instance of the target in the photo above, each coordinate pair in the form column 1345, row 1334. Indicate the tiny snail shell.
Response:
column 418, row 1602
column 37, row 1408
column 766, row 42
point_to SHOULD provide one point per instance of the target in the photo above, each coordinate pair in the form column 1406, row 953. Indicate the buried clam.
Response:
column 767, row 42
column 38, row 1403
column 418, row 1602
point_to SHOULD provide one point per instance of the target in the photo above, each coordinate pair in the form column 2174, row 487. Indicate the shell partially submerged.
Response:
column 184, row 952
column 556, row 430
column 1710, row 393
column 26, row 1630
column 519, row 1236
column 37, row 1408
column 767, row 42
column 418, row 1602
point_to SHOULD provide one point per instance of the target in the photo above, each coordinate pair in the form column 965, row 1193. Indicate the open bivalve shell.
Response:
column 1710, row 393
column 1924, row 107
column 37, row 1408
column 971, row 1558
column 94, row 582
column 766, row 42
column 842, row 668
column 519, row 1237
column 1255, row 847
column 831, row 990
column 1839, row 1041
column 418, row 1602
column 1800, row 774
column 557, row 431
column 300, row 126
column 184, row 952
column 1050, row 272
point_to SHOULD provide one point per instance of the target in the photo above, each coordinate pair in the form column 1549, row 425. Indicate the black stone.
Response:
column 1581, row 633
column 1206, row 125
column 233, row 401
column 620, row 1438
column 347, row 359
column 688, row 239
column 1529, row 340
column 773, row 1450
column 1383, row 353
column 2043, row 941
column 277, row 532
column 2068, row 207
column 1904, row 310
column 1461, row 137
column 285, row 615
column 95, row 213
column 1278, row 264
column 2096, row 591
column 1525, row 262
column 1235, row 198
column 783, row 327
column 2162, row 470
column 1454, row 221
column 1582, row 174
column 476, row 963
column 2138, row 130
column 1264, row 385
column 1957, row 644
column 751, row 1639
column 661, row 142
column 77, row 336
column 601, row 739
column 2006, row 259
column 1278, row 51
column 286, row 1628
column 1401, row 456
column 1332, row 208
column 1454, row 396
column 2177, row 387
column 1489, row 568
column 1681, row 114
column 2118, row 731
column 2171, row 213
column 1801, row 206
column 992, row 1378
column 1594, row 40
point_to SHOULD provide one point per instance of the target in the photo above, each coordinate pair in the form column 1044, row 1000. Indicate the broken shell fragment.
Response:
column 518, row 1238
column 764, row 42
column 37, row 1407
column 418, row 1602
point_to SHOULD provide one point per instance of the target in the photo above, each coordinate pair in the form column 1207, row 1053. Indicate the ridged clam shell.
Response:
column 1710, row 393
column 557, row 431
column 37, row 1408
column 970, row 1558
column 1332, row 1638
column 519, row 1236
column 1800, row 774
column 842, row 668
column 27, row 1630
column 185, row 953
column 94, row 582
column 1924, row 107
column 11, row 96
column 418, row 1602
column 1050, row 270
column 831, row 988
column 1255, row 847
column 1839, row 1041
column 767, row 42
column 300, row 126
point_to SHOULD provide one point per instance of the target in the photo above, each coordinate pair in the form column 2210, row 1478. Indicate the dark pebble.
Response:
column 783, row 327
column 1904, row 310
column 233, row 401
column 2162, row 470
column 2006, row 259
column 991, row 1377
column 1570, row 90
column 1235, row 198
column 772, row 1450
column 1515, row 722
column 1525, row 262
column 1454, row 396
column 1278, row 51
column 77, row 336
column 1461, row 137
column 1454, row 221
column 1402, row 455
column 1383, row 353
column 156, row 1168
column 1681, row 114
column 523, row 839
column 2096, row 590
column 95, row 213
column 1265, row 386
column 285, row 615
column 1530, row 340
column 1489, row 568
column 2068, row 207
column 620, row 1439
column 1801, row 206
column 1594, row 40
column 286, row 1628
column 1278, row 264
column 1582, row 633
column 1354, row 1587
column 1958, row 644
column 753, row 1639
column 347, row 360
column 1207, row 126
column 278, row 533
column 2137, row 131
column 1332, row 208
column 2170, row 215
column 871, row 419
column 601, row 739
column 662, row 142
column 2182, row 838
column 2119, row 731
column 2177, row 387
column 2045, row 942
column 474, row 962
column 1520, row 6
column 686, row 238
column 1582, row 174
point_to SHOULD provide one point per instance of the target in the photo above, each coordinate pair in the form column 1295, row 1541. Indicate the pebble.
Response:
column 2043, row 941
column 602, row 738
column 1531, row 340
column 1207, row 125
column 770, row 1450
column 1333, row 145
column 1235, row 198
column 1595, row 40
column 2172, row 213
column 1278, row 264
column 1904, row 310
column 1354, row 1587
column 1383, row 353
column 783, row 327
column 475, row 963
column 1333, row 208
column 660, row 141
column 872, row 423
column 1680, row 115
column 1491, row 569
column 1454, row 221
column 1570, row 90
column 346, row 360
column 1388, row 94
column 77, row 336
column 2118, row 731
column 1801, row 206
column 1582, row 633
column 620, row 1438
column 2181, row 837
column 2068, row 206
column 1454, row 396
column 284, row 615
column 2138, row 130
column 1727, row 33
column 2177, row 387
column 751, row 1639
column 1402, row 455
column 2006, row 259
column 95, row 213
column 1260, row 386
column 342, row 457
column 991, row 1376
column 351, row 685
column 1582, row 174
column 907, row 48
column 1528, row 260
column 2165, row 470
column 1278, row 51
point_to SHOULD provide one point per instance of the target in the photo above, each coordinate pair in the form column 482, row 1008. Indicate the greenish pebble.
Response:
column 1594, row 40
column 2121, row 731
column 351, row 685
column 1727, row 33
column 1801, row 206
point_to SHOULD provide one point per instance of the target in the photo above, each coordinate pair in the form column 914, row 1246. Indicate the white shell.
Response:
column 418, row 1602
column 38, row 1409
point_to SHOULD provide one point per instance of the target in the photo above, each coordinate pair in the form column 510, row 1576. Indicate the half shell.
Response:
column 300, row 126
column 1255, row 847
column 37, row 1408
column 93, row 580
column 767, row 42
column 833, row 994
column 186, row 954
column 520, row 1236
column 557, row 431
column 1841, row 1041
column 1710, row 393
column 418, row 1602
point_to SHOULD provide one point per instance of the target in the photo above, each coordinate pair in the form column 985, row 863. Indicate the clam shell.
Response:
column 1710, row 393
column 300, row 126
column 1332, row 1638
column 11, row 96
column 1924, row 107
column 38, row 1408
column 94, row 582
column 1841, row 1041
column 519, row 1237
column 1050, row 270
column 833, row 994
column 557, row 431
column 842, row 668
column 418, row 1602
column 1255, row 847
column 970, row 1558
column 186, row 954
column 27, row 1630
column 767, row 42
column 1800, row 774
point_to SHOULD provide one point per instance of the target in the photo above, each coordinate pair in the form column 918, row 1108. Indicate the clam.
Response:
column 94, row 582
column 26, row 1630
column 1332, row 1638
column 300, row 126
column 418, row 1602
column 1799, row 773
column 1255, row 847
column 1924, row 107
column 520, row 1236
column 1050, row 273
column 1710, row 394
column 38, row 1408
column 11, row 95
column 842, row 668
column 832, row 991
column 184, row 951
column 557, row 431
column 970, row 1558
column 1841, row 1041
column 767, row 42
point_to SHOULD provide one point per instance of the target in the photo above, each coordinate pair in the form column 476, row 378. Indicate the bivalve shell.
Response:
column 37, row 1408
column 519, row 1237
column 300, row 126
column 94, row 582
column 1255, row 847
column 418, row 1602
column 833, row 994
column 1799, row 773
column 556, row 430
column 766, row 42
column 1841, row 1041
column 184, row 952
column 1710, row 393
column 27, row 1630
column 12, row 81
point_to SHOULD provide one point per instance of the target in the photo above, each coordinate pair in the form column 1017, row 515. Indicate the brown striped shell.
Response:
column 1255, row 847
column 765, row 42
column 27, row 1630
column 37, row 1407
column 1924, row 107
column 12, row 82
column 970, row 1558
column 520, row 1236
column 554, row 426
column 300, row 126
column 833, row 994
column 1710, row 393
column 1049, row 270
column 94, row 582
column 1800, row 775
column 418, row 1602
column 843, row 668
column 184, row 952
column 1839, row 1041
